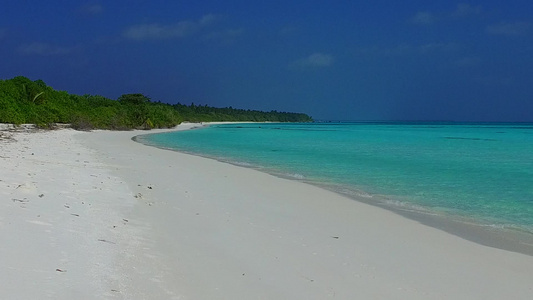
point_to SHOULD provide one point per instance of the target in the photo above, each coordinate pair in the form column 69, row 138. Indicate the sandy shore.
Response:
column 95, row 215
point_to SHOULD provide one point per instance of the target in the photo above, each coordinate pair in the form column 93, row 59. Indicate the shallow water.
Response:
column 482, row 173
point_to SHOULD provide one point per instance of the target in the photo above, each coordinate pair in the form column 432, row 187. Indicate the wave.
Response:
column 295, row 176
column 470, row 139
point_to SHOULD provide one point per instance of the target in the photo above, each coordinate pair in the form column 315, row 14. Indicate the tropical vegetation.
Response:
column 25, row 101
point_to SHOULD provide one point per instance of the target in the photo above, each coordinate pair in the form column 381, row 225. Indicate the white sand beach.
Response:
column 95, row 215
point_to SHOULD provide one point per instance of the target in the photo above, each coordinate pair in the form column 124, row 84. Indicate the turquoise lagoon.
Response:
column 478, row 173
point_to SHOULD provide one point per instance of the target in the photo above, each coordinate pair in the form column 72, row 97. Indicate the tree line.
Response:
column 25, row 101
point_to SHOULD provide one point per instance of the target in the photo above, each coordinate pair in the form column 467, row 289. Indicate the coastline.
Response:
column 505, row 238
column 200, row 229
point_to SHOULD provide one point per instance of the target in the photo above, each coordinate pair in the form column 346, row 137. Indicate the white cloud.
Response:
column 208, row 19
column 156, row 31
column 465, row 9
column 315, row 60
column 509, row 29
column 178, row 30
column 43, row 49
column 92, row 9
column 407, row 49
column 423, row 18
column 462, row 10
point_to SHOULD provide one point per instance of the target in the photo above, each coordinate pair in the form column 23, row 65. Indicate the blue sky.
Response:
column 349, row 60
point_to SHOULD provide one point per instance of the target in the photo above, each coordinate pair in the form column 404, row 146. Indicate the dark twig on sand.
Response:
column 106, row 241
column 22, row 201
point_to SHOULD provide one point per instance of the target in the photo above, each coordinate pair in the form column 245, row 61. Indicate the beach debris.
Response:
column 116, row 291
column 76, row 215
column 125, row 220
column 60, row 270
column 106, row 241
column 149, row 187
column 138, row 196
column 66, row 205
column 7, row 137
column 41, row 195
column 335, row 237
column 21, row 201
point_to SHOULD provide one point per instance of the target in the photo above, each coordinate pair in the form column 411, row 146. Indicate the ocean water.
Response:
column 478, row 173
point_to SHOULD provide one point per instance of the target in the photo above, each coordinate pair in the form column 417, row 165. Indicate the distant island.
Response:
column 25, row 101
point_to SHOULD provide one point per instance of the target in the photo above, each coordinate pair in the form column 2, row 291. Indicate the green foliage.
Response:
column 26, row 101
column 135, row 99
column 199, row 113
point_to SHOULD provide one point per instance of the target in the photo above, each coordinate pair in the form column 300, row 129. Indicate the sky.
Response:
column 334, row 60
